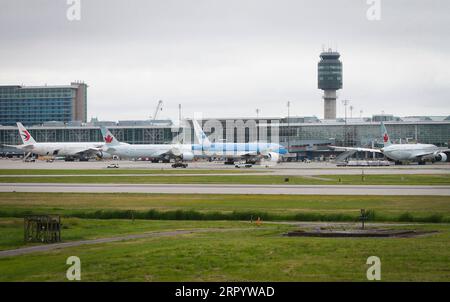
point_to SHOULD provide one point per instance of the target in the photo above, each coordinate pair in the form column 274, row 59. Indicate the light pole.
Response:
column 257, row 124
column 179, row 124
column 345, row 103
column 289, row 126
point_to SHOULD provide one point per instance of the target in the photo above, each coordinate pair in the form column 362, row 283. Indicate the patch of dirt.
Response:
column 359, row 233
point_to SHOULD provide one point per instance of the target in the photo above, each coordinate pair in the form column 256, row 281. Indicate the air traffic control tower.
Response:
column 329, row 80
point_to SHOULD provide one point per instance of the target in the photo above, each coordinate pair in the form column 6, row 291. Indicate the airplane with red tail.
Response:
column 401, row 153
column 71, row 150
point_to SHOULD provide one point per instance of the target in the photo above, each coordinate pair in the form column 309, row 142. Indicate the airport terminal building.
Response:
column 304, row 137
column 59, row 114
column 33, row 105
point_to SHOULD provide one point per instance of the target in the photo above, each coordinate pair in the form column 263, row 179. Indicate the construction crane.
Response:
column 159, row 108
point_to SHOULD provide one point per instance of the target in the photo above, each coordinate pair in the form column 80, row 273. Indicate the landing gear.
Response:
column 421, row 163
column 398, row 163
column 229, row 161
column 26, row 156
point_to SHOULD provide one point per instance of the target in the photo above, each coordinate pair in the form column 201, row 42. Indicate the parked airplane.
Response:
column 69, row 151
column 250, row 152
column 401, row 153
column 180, row 152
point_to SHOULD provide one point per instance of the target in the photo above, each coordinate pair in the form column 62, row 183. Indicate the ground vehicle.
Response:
column 113, row 166
column 243, row 165
column 179, row 165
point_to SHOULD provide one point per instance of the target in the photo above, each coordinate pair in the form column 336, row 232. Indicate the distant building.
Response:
column 34, row 105
column 385, row 118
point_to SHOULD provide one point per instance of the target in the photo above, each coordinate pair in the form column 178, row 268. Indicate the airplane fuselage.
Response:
column 408, row 152
column 235, row 150
column 59, row 149
column 148, row 150
column 214, row 149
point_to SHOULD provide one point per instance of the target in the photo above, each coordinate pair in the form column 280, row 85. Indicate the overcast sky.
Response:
column 226, row 58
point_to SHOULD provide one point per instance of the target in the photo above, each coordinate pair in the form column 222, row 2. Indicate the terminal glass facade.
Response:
column 37, row 105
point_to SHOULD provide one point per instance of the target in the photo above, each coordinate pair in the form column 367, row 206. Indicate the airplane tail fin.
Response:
column 385, row 135
column 200, row 135
column 108, row 137
column 26, row 137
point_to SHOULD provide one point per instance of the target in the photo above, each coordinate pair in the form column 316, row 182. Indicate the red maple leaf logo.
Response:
column 108, row 139
column 26, row 135
column 385, row 138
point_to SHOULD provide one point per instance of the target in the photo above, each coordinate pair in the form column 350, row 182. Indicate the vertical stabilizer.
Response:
column 26, row 137
column 200, row 135
column 108, row 137
column 385, row 135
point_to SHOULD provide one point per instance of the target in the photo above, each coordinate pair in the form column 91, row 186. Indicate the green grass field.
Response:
column 396, row 179
column 240, row 251
column 282, row 207
column 11, row 229
column 254, row 254
column 122, row 171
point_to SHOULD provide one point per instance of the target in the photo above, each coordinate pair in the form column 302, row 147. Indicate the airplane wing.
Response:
column 356, row 149
column 256, row 155
column 250, row 154
column 428, row 153
column 88, row 151
column 164, row 152
column 173, row 152
column 11, row 146
column 20, row 147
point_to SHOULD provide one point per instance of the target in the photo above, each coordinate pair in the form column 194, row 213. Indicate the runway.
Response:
column 228, row 189
column 285, row 168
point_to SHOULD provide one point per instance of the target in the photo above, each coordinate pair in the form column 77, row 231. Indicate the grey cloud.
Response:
column 231, row 57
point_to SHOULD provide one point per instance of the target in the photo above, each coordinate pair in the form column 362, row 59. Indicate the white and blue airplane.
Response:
column 250, row 152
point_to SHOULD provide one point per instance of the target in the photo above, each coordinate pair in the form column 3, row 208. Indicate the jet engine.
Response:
column 273, row 156
column 441, row 157
column 187, row 156
column 99, row 154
